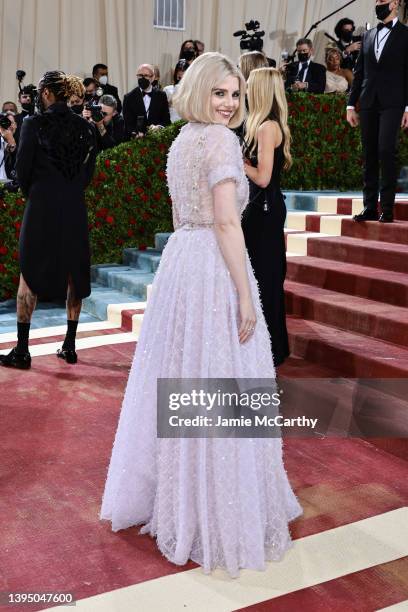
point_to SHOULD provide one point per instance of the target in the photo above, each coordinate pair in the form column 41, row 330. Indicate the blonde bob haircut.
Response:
column 193, row 98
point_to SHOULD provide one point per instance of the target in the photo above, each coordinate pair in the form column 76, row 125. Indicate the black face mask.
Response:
column 77, row 108
column 155, row 83
column 143, row 82
column 27, row 106
column 303, row 57
column 89, row 96
column 347, row 36
column 188, row 55
column 383, row 11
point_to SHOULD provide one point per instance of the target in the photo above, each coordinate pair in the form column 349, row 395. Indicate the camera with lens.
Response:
column 96, row 111
column 5, row 122
column 254, row 41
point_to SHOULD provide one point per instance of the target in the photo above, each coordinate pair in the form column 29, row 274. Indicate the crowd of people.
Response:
column 149, row 105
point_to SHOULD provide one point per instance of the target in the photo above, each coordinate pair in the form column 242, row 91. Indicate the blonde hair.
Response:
column 267, row 100
column 62, row 85
column 250, row 61
column 193, row 98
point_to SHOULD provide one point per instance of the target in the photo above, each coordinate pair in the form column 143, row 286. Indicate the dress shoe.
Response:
column 386, row 216
column 68, row 355
column 368, row 214
column 21, row 361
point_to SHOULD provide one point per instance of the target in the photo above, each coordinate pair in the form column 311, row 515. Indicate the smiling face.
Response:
column 225, row 100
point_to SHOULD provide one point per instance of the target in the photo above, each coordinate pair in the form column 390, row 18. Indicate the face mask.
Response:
column 383, row 11
column 303, row 57
column 188, row 54
column 155, row 83
column 347, row 36
column 77, row 108
column 27, row 106
column 143, row 82
column 103, row 80
column 89, row 96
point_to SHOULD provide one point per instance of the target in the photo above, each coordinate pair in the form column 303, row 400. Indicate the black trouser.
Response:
column 379, row 134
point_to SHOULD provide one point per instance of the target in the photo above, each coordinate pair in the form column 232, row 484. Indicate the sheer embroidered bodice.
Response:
column 201, row 156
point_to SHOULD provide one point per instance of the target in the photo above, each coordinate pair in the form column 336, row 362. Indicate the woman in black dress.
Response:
column 55, row 163
column 267, row 153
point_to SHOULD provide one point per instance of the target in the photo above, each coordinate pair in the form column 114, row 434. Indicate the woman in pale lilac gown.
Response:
column 222, row 502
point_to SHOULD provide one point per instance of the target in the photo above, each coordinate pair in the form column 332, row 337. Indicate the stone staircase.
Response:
column 117, row 288
column 346, row 288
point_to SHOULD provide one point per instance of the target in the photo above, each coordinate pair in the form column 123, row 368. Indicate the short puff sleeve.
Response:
column 223, row 155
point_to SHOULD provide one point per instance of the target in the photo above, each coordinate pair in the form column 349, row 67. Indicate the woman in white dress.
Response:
column 222, row 502
column 170, row 90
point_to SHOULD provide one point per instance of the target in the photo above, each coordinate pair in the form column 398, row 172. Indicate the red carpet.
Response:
column 58, row 428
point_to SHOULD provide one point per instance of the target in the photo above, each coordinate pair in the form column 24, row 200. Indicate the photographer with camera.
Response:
column 100, row 75
column 110, row 126
column 348, row 44
column 8, row 146
column 305, row 75
column 145, row 107
column 26, row 97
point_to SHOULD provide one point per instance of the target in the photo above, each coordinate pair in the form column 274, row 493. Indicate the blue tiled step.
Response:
column 97, row 303
column 126, row 279
column 147, row 261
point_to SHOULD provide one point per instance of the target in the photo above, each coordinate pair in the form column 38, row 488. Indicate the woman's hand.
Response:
column 248, row 319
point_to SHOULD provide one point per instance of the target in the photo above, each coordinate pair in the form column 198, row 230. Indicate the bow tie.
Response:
column 388, row 25
column 147, row 93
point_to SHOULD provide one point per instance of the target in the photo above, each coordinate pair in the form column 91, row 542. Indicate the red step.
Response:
column 372, row 230
column 363, row 281
column 350, row 354
column 344, row 207
column 387, row 256
column 342, row 311
column 127, row 318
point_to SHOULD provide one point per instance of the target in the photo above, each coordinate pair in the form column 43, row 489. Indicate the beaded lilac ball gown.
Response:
column 221, row 502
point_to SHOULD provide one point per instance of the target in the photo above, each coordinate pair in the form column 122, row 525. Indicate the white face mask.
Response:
column 103, row 80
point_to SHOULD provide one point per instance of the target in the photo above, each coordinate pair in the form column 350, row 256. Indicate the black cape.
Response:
column 55, row 163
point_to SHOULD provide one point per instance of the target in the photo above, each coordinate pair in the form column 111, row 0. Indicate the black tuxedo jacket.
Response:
column 315, row 77
column 110, row 90
column 386, row 80
column 133, row 107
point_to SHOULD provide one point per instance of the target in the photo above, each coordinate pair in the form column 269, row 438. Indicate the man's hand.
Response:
column 352, row 117
column 356, row 46
column 87, row 114
column 298, row 86
column 404, row 122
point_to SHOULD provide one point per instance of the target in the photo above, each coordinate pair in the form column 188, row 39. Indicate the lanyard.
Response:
column 378, row 41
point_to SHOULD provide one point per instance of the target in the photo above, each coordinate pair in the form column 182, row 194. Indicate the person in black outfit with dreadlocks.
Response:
column 55, row 163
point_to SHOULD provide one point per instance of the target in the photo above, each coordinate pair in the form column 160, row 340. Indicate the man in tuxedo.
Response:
column 381, row 87
column 145, row 106
column 100, row 74
column 305, row 75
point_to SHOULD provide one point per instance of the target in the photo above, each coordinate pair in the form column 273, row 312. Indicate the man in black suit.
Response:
column 145, row 106
column 305, row 75
column 348, row 47
column 100, row 74
column 381, row 86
